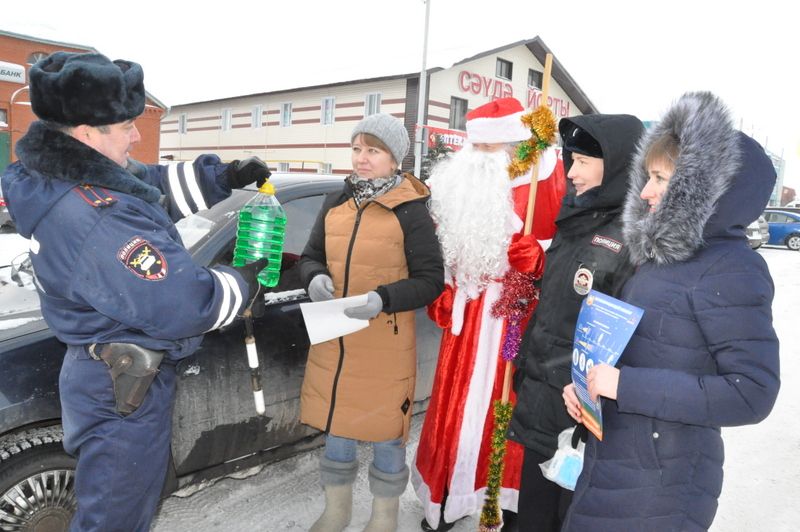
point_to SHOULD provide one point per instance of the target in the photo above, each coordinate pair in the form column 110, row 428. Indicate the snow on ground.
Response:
column 761, row 472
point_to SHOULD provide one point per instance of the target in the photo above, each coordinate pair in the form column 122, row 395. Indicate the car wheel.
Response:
column 37, row 482
column 793, row 242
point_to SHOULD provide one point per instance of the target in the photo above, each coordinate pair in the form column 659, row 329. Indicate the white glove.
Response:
column 367, row 311
column 320, row 288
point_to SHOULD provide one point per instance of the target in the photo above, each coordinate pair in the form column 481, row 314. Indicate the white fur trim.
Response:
column 459, row 304
column 507, row 128
column 461, row 496
column 431, row 509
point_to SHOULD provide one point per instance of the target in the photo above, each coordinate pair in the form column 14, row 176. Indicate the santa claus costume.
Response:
column 480, row 214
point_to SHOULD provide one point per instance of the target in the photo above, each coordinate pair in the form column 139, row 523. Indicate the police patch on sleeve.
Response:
column 143, row 259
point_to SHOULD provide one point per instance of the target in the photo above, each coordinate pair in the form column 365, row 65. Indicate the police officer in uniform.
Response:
column 115, row 282
column 586, row 253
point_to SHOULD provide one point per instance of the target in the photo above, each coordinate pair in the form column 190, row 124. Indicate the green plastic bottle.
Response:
column 260, row 233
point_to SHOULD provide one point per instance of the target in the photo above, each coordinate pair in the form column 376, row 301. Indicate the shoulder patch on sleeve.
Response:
column 143, row 259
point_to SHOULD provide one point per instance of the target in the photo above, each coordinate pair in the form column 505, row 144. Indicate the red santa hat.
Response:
column 497, row 121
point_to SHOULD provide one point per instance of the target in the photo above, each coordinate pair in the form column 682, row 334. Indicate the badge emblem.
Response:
column 143, row 259
column 582, row 282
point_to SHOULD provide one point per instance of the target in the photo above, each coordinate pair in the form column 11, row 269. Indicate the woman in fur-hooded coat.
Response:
column 705, row 354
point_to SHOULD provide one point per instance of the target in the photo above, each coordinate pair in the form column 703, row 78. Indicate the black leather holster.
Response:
column 132, row 370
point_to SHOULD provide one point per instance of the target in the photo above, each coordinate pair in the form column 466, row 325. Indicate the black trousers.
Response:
column 542, row 503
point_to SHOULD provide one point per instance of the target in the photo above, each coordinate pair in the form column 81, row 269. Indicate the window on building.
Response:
column 35, row 57
column 286, row 114
column 3, row 118
column 182, row 123
column 372, row 104
column 255, row 116
column 283, row 167
column 504, row 69
column 227, row 118
column 326, row 168
column 534, row 79
column 458, row 113
column 328, row 105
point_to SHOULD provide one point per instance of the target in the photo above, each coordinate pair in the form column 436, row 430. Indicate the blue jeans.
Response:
column 388, row 456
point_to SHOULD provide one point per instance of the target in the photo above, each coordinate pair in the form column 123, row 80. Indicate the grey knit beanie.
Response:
column 389, row 130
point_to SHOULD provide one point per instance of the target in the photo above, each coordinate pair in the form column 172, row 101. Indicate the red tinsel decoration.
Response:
column 518, row 295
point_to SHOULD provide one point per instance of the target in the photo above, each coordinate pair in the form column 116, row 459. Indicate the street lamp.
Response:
column 423, row 86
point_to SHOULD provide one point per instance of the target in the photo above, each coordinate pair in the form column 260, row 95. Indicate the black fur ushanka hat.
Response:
column 73, row 89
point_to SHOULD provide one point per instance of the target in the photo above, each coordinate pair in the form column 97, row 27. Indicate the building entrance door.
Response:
column 5, row 149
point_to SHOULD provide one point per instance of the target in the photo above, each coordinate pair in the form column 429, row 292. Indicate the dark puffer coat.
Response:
column 705, row 354
column 589, row 237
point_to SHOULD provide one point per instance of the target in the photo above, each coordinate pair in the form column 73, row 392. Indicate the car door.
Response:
column 215, row 419
column 778, row 227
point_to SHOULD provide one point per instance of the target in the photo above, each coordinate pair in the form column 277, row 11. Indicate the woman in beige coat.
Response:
column 375, row 237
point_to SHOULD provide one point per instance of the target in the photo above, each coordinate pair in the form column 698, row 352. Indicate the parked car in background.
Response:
column 784, row 228
column 758, row 233
column 216, row 430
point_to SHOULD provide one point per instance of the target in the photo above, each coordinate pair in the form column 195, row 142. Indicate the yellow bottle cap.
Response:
column 267, row 188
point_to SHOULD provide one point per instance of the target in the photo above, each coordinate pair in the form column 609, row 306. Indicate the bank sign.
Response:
column 11, row 72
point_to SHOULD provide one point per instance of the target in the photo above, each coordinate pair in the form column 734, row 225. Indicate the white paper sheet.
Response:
column 326, row 320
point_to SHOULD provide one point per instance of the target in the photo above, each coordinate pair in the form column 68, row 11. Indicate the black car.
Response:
column 216, row 428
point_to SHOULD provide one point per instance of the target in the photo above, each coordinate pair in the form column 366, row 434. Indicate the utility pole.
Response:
column 423, row 87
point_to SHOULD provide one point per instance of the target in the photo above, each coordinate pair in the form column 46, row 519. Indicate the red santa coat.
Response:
column 455, row 443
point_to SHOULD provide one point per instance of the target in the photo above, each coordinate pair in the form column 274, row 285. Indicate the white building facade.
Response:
column 308, row 129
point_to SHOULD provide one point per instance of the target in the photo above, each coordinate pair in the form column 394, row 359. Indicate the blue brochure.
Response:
column 605, row 326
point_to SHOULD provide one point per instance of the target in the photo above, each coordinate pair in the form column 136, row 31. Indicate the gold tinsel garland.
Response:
column 542, row 124
column 491, row 520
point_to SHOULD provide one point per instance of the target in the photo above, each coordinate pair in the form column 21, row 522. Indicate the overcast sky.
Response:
column 628, row 56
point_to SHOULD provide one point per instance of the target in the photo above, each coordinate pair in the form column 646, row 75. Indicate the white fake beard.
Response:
column 472, row 206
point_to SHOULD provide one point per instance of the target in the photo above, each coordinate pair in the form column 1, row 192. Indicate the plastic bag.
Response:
column 565, row 466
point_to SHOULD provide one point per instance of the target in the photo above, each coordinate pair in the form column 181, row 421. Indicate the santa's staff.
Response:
column 519, row 295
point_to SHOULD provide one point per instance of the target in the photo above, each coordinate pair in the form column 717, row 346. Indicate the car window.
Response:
column 300, row 216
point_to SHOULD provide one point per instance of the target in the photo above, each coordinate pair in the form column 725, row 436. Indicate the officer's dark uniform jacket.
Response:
column 110, row 265
column 589, row 238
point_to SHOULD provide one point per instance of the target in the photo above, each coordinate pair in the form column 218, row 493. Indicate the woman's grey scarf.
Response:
column 365, row 189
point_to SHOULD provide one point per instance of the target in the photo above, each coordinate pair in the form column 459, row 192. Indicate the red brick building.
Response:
column 17, row 54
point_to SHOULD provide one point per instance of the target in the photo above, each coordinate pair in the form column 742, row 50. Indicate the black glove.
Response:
column 250, row 170
column 581, row 434
column 249, row 273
